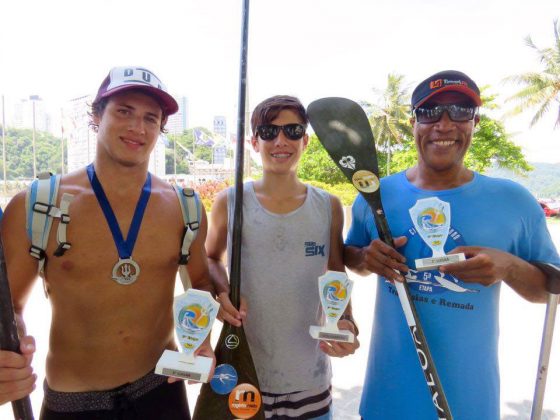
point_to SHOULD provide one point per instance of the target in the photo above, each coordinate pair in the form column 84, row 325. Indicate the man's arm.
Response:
column 16, row 374
column 197, row 266
column 216, row 246
column 488, row 266
column 552, row 273
column 378, row 258
column 336, row 263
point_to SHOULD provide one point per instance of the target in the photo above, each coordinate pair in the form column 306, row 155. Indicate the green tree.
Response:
column 176, row 158
column 316, row 164
column 19, row 153
column 389, row 119
column 184, row 150
column 541, row 91
column 492, row 146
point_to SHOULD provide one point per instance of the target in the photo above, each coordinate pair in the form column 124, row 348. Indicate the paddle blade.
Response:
column 344, row 131
column 233, row 392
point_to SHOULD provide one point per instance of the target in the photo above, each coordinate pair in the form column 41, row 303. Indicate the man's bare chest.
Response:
column 95, row 247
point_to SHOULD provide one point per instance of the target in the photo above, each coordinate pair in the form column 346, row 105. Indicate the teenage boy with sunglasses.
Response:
column 111, row 294
column 496, row 223
column 292, row 233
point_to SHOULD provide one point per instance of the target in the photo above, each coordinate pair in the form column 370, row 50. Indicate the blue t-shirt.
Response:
column 460, row 319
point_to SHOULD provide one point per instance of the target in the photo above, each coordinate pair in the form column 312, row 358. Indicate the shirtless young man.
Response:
column 106, row 337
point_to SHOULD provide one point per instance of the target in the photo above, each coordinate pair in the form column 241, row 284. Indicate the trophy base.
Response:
column 321, row 333
column 179, row 365
column 425, row 264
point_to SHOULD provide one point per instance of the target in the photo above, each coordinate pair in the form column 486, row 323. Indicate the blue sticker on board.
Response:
column 224, row 379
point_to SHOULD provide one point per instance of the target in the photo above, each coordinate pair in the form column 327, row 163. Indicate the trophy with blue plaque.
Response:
column 334, row 290
column 194, row 313
column 432, row 221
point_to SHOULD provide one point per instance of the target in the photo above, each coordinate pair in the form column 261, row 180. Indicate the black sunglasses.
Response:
column 268, row 132
column 432, row 114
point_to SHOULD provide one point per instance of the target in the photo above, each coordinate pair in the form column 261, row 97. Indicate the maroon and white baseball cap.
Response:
column 121, row 79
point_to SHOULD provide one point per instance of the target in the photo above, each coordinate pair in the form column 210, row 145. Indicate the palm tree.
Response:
column 541, row 90
column 389, row 117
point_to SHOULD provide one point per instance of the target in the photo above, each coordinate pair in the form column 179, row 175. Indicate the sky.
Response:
column 62, row 49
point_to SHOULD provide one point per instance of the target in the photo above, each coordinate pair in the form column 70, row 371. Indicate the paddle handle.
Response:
column 235, row 265
column 9, row 339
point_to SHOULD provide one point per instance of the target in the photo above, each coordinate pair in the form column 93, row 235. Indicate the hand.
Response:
column 17, row 379
column 227, row 311
column 337, row 348
column 486, row 266
column 205, row 350
column 381, row 259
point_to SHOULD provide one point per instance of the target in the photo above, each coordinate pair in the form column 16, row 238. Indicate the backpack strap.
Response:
column 191, row 209
column 40, row 204
column 63, row 244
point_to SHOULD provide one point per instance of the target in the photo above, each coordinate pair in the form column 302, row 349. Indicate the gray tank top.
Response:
column 282, row 255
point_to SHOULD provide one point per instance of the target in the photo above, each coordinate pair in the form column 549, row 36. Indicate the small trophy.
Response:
column 334, row 289
column 432, row 220
column 194, row 313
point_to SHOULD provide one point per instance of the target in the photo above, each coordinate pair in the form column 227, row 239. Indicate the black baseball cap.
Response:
column 447, row 80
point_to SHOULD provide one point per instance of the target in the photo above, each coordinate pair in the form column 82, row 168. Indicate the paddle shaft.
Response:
column 418, row 337
column 544, row 356
column 235, row 264
column 211, row 405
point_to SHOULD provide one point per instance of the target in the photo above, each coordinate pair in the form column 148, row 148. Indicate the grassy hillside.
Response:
column 543, row 181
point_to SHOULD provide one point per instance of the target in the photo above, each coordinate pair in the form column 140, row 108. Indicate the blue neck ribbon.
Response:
column 124, row 247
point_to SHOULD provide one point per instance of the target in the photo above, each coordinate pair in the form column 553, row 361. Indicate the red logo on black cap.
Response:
column 434, row 84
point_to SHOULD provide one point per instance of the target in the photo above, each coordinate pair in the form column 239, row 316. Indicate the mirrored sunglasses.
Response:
column 268, row 132
column 432, row 114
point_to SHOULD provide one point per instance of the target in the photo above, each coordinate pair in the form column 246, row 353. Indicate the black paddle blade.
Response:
column 344, row 131
column 9, row 339
column 239, row 400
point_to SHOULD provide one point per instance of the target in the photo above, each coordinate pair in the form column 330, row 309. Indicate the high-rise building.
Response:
column 31, row 110
column 81, row 139
column 157, row 158
column 178, row 122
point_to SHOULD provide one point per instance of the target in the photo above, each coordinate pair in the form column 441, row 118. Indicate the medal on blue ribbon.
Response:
column 126, row 270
